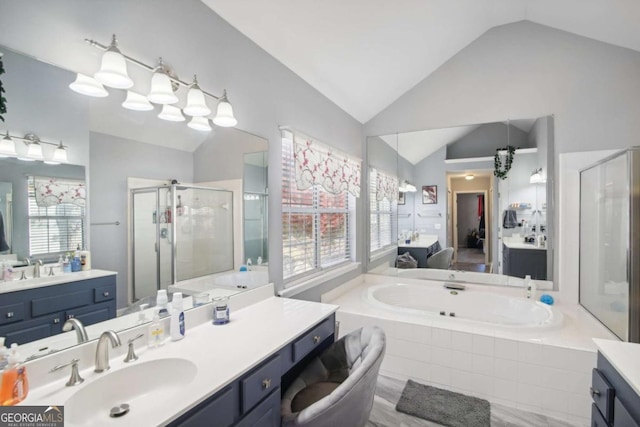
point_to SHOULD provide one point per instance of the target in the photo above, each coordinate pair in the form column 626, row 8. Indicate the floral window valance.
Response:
column 56, row 191
column 318, row 164
column 386, row 186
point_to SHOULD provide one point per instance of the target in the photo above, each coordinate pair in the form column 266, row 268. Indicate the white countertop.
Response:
column 22, row 285
column 422, row 242
column 624, row 356
column 521, row 245
column 221, row 354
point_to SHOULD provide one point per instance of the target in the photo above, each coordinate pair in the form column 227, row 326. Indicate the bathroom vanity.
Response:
column 521, row 259
column 615, row 386
column 229, row 374
column 37, row 308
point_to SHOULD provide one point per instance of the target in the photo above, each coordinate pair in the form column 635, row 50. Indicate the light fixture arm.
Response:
column 31, row 138
column 148, row 67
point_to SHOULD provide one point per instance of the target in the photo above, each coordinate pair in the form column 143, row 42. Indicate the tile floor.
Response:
column 388, row 392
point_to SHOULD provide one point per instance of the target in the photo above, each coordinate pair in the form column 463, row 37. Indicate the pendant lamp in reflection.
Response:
column 171, row 114
column 196, row 104
column 89, row 86
column 200, row 123
column 224, row 116
column 7, row 147
column 137, row 102
column 161, row 87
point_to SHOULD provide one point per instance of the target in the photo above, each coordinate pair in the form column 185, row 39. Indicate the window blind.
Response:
column 383, row 218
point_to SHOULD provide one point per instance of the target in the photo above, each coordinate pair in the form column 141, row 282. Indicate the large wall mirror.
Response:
column 436, row 189
column 214, row 182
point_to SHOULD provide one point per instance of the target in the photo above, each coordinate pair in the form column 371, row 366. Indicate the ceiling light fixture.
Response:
column 406, row 187
column 89, row 86
column 171, row 114
column 7, row 147
column 469, row 177
column 34, row 149
column 113, row 70
column 137, row 102
column 536, row 177
column 164, row 84
column 200, row 123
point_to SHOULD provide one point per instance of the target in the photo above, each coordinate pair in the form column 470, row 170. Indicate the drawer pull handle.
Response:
column 56, row 320
column 594, row 392
column 316, row 339
column 105, row 294
column 266, row 383
column 9, row 314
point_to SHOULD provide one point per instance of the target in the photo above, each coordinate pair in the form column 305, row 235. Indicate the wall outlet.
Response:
column 437, row 226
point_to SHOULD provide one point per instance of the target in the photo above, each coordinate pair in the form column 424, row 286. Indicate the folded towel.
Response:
column 510, row 219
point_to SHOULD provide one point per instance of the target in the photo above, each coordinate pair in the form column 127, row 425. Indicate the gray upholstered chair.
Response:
column 441, row 259
column 337, row 387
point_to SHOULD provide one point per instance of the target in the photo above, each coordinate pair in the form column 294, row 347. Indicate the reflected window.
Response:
column 382, row 208
column 316, row 224
column 56, row 215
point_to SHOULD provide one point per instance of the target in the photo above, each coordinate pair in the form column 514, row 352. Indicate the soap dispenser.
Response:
column 156, row 330
column 177, row 318
column 162, row 301
column 15, row 386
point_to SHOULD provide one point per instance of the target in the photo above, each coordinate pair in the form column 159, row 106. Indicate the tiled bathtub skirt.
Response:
column 535, row 377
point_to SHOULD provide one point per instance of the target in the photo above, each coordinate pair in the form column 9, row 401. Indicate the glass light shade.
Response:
column 224, row 116
column 34, row 151
column 536, row 177
column 113, row 71
column 7, row 147
column 136, row 102
column 196, row 104
column 200, row 123
column 171, row 114
column 89, row 86
column 59, row 156
column 161, row 90
column 411, row 188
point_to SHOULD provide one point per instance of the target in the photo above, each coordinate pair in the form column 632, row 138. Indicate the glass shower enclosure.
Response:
column 179, row 232
column 610, row 243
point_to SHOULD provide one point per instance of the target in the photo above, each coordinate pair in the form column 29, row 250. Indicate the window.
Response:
column 316, row 224
column 383, row 212
column 55, row 228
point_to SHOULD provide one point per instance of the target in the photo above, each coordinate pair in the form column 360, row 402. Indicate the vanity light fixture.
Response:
column 7, row 147
column 200, row 123
column 161, row 87
column 137, row 102
column 113, row 70
column 469, row 177
column 164, row 84
column 34, row 149
column 89, row 86
column 536, row 177
column 406, row 187
column 171, row 114
column 196, row 104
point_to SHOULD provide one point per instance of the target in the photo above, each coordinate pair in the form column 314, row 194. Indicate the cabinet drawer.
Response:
column 105, row 293
column 602, row 394
column 11, row 313
column 622, row 417
column 305, row 344
column 257, row 385
column 596, row 417
column 61, row 302
column 219, row 411
column 266, row 414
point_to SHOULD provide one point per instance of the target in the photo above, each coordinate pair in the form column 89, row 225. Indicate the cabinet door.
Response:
column 219, row 410
column 31, row 330
column 91, row 314
column 266, row 414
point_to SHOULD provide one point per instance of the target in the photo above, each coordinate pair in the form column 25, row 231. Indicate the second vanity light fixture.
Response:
column 164, row 83
column 406, row 187
column 34, row 149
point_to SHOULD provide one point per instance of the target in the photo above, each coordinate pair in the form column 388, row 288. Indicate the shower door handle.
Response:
column 155, row 246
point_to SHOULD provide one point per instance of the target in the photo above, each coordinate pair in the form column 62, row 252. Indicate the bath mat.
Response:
column 443, row 406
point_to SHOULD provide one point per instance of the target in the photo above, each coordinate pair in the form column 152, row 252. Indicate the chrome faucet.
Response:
column 102, row 350
column 76, row 324
column 36, row 268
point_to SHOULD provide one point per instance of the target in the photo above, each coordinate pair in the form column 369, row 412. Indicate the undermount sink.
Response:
column 142, row 386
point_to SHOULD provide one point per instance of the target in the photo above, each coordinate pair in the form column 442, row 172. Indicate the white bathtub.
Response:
column 432, row 299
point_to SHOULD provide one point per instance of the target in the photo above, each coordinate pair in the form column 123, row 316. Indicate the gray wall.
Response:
column 264, row 93
column 112, row 161
column 486, row 139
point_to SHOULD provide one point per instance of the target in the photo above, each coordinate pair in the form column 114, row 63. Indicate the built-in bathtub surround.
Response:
column 543, row 367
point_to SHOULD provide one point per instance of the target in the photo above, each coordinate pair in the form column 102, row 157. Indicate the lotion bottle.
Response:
column 527, row 286
column 15, row 386
column 177, row 318
column 156, row 330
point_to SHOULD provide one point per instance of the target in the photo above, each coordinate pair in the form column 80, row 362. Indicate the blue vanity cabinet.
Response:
column 253, row 400
column 32, row 314
column 615, row 403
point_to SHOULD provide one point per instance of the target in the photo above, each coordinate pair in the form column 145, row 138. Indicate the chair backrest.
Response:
column 351, row 402
column 441, row 259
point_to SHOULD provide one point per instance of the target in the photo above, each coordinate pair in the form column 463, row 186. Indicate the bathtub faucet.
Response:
column 452, row 278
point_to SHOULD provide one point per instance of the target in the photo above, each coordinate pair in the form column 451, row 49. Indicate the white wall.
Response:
column 192, row 39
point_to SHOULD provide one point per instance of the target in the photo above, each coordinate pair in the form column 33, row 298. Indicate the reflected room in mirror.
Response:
column 168, row 207
column 484, row 224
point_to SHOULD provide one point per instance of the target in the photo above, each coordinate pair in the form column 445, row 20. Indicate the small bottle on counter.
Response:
column 85, row 260
column 15, row 386
column 156, row 330
column 162, row 301
column 177, row 318
column 220, row 310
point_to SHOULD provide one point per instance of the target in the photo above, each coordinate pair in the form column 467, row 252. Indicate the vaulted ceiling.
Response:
column 364, row 54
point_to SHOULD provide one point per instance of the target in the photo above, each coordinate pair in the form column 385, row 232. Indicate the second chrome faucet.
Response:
column 102, row 350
